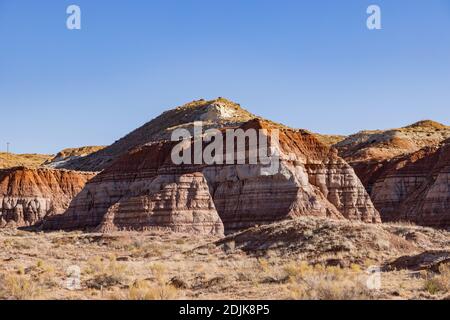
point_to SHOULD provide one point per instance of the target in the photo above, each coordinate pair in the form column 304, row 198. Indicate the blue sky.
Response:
column 308, row 64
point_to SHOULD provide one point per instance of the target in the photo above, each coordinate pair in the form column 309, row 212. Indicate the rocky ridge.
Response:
column 386, row 144
column 70, row 154
column 27, row 195
column 416, row 187
column 404, row 171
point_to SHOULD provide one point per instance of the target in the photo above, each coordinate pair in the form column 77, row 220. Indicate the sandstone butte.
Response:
column 27, row 195
column 404, row 171
column 143, row 189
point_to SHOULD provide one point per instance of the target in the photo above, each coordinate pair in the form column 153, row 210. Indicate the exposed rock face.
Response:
column 216, row 113
column 405, row 171
column 29, row 195
column 416, row 188
column 139, row 192
column 181, row 203
column 70, row 154
column 368, row 152
column 145, row 189
column 387, row 144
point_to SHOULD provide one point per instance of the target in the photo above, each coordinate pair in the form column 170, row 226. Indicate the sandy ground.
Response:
column 162, row 265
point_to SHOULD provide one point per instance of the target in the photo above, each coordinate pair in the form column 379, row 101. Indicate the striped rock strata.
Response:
column 416, row 188
column 29, row 195
column 145, row 189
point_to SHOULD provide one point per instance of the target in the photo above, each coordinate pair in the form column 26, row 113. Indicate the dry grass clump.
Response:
column 105, row 273
column 18, row 287
column 318, row 282
column 43, row 273
column 157, row 289
column 28, row 283
column 438, row 283
column 145, row 290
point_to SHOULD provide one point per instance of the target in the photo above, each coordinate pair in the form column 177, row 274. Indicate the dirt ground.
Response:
column 164, row 265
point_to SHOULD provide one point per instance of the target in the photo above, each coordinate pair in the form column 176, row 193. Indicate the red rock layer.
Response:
column 144, row 189
column 29, row 195
column 416, row 188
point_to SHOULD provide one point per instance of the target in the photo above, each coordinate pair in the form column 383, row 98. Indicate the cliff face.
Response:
column 416, row 187
column 29, row 195
column 145, row 189
column 404, row 171
column 370, row 152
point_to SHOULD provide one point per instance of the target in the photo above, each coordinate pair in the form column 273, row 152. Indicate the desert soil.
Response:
column 317, row 261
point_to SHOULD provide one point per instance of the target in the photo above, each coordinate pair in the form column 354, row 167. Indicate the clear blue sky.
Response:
column 308, row 64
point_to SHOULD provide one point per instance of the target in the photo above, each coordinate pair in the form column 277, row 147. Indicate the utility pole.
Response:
column 7, row 151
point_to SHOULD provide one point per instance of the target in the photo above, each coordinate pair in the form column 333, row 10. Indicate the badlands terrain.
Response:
column 307, row 258
column 359, row 217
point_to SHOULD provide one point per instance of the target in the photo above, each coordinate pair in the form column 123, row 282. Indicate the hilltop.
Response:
column 217, row 113
column 386, row 144
column 70, row 154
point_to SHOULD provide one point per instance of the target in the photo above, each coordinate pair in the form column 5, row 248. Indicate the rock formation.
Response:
column 416, row 187
column 404, row 171
column 145, row 189
column 369, row 151
column 29, row 195
column 70, row 154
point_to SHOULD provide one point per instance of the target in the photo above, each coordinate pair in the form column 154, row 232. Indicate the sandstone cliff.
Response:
column 416, row 187
column 145, row 189
column 400, row 168
column 369, row 151
column 29, row 195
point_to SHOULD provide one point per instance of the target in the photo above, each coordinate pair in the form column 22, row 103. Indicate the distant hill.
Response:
column 25, row 160
column 71, row 154
column 386, row 144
